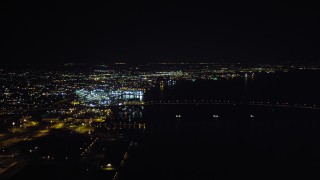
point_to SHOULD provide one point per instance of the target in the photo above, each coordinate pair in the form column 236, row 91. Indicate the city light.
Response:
column 98, row 97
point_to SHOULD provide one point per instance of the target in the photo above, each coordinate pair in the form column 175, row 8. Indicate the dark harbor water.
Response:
column 293, row 87
column 277, row 143
column 244, row 141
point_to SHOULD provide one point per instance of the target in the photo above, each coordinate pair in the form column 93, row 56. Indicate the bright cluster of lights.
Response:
column 100, row 97
column 94, row 97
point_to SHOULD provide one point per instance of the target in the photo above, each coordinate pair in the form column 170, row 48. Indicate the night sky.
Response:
column 154, row 31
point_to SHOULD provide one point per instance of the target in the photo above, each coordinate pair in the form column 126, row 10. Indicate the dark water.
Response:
column 278, row 143
column 292, row 87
